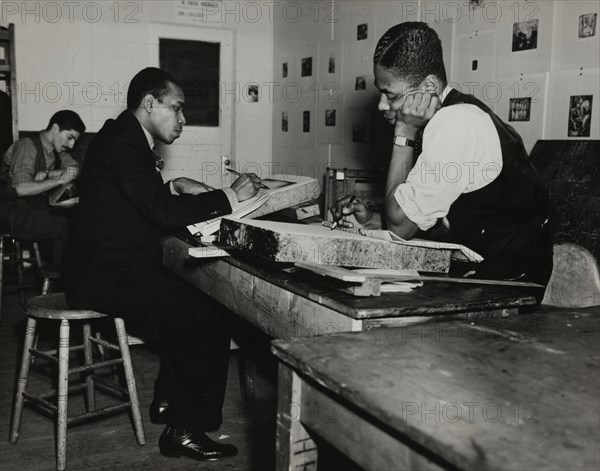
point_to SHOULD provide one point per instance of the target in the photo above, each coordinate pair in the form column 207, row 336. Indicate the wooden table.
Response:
column 520, row 393
column 288, row 305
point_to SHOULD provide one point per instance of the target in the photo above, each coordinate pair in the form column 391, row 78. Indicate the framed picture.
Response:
column 362, row 31
column 284, row 69
column 306, row 121
column 525, row 35
column 580, row 115
column 330, row 118
column 476, row 3
column 358, row 133
column 253, row 93
column 331, row 63
column 284, row 121
column 360, row 83
column 306, row 67
column 587, row 25
column 520, row 109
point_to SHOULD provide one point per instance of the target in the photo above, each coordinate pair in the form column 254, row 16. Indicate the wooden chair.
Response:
column 575, row 280
column 54, row 307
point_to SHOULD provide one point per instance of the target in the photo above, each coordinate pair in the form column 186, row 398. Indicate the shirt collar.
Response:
column 447, row 90
column 148, row 136
column 46, row 144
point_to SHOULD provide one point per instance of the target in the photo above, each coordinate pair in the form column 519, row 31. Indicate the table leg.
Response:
column 295, row 448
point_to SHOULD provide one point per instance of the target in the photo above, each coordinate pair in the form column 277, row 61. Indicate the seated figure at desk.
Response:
column 457, row 172
column 115, row 262
column 33, row 166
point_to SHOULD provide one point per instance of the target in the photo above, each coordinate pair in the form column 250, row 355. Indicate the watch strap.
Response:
column 404, row 141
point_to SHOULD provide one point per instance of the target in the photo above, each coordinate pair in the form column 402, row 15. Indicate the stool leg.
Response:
column 22, row 381
column 138, row 425
column 87, row 349
column 62, row 398
column 20, row 274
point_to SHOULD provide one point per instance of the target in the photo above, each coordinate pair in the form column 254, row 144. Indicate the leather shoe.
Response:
column 175, row 442
column 159, row 411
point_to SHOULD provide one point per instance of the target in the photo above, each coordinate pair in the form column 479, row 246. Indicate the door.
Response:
column 202, row 60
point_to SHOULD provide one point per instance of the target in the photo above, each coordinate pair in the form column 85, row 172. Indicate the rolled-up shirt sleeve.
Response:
column 23, row 162
column 455, row 159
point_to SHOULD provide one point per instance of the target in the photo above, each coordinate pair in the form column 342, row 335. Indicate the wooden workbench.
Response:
column 288, row 305
column 504, row 394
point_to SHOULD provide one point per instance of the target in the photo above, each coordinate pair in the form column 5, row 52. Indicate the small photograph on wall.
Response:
column 358, row 133
column 360, row 83
column 525, row 35
column 306, row 121
column 476, row 3
column 587, row 25
column 284, row 121
column 580, row 115
column 329, row 118
column 520, row 109
column 362, row 31
column 253, row 93
column 331, row 64
column 306, row 70
column 284, row 69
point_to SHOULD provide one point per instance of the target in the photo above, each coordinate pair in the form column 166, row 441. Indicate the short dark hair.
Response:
column 149, row 80
column 67, row 120
column 412, row 51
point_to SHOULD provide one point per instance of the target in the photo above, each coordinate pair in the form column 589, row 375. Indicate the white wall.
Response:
column 82, row 55
column 561, row 66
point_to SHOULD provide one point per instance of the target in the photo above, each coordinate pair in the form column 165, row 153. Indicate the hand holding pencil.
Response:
column 347, row 206
column 246, row 185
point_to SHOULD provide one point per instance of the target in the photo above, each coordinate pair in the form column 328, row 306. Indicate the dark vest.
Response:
column 502, row 219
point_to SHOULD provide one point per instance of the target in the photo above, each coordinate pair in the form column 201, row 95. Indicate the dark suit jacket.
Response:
column 124, row 205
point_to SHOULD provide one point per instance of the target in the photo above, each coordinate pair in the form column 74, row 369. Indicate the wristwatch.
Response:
column 404, row 141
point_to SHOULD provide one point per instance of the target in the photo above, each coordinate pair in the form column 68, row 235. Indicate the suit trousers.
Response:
column 193, row 334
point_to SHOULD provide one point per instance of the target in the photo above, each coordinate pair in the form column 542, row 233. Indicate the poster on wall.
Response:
column 580, row 115
column 284, row 69
column 520, row 109
column 476, row 4
column 306, row 67
column 524, row 36
column 587, row 25
column 360, row 83
column 362, row 31
column 284, row 121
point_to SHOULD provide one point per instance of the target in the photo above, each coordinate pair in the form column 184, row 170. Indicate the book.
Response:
column 281, row 192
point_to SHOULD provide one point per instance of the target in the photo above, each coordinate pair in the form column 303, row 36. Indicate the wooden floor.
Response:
column 109, row 444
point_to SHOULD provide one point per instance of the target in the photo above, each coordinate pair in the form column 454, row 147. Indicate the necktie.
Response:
column 158, row 162
column 418, row 144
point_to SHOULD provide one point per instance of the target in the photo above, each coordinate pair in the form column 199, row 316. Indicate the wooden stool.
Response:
column 54, row 306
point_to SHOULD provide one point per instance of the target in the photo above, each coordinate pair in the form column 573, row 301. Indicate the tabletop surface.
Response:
column 515, row 393
column 434, row 297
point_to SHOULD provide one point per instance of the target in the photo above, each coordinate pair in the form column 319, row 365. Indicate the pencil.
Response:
column 336, row 223
column 235, row 172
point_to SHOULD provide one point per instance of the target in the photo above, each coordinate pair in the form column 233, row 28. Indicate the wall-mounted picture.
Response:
column 284, row 69
column 253, row 93
column 362, row 31
column 519, row 109
column 306, row 121
column 329, row 117
column 358, row 133
column 284, row 121
column 360, row 83
column 476, row 3
column 525, row 35
column 587, row 25
column 331, row 64
column 306, row 69
column 580, row 115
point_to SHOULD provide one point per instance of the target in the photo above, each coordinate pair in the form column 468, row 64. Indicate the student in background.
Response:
column 115, row 264
column 33, row 166
column 457, row 172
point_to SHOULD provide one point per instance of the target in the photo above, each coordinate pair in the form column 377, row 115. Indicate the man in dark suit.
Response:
column 115, row 263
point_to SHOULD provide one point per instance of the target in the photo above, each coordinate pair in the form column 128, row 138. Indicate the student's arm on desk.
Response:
column 44, row 181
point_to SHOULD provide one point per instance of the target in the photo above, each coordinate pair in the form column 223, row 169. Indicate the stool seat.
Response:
column 55, row 307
